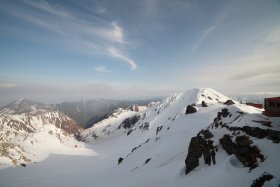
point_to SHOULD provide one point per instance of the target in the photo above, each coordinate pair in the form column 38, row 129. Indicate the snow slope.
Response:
column 154, row 144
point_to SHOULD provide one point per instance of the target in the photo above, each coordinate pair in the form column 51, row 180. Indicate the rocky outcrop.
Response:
column 242, row 149
column 129, row 122
column 200, row 145
column 194, row 153
column 259, row 182
column 227, row 144
column 190, row 109
column 144, row 126
column 229, row 102
column 257, row 132
column 235, row 140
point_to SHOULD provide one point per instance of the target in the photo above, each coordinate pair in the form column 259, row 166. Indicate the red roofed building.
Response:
column 260, row 106
column 272, row 106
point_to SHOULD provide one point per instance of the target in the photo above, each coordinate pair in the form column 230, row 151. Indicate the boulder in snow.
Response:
column 204, row 104
column 229, row 102
column 190, row 109
column 120, row 160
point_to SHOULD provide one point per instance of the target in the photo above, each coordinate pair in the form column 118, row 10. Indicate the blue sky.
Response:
column 69, row 50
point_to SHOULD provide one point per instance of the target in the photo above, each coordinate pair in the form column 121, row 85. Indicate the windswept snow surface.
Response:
column 154, row 155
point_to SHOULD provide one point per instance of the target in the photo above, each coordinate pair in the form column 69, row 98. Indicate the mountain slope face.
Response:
column 220, row 141
column 89, row 112
column 27, row 130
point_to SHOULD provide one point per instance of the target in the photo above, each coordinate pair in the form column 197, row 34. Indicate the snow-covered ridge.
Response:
column 25, row 106
column 219, row 140
column 157, row 140
column 173, row 106
column 23, row 122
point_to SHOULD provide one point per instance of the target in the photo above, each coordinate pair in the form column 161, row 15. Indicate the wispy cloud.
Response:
column 7, row 85
column 202, row 38
column 119, row 55
column 102, row 69
column 273, row 36
column 207, row 32
column 44, row 5
column 92, row 37
column 256, row 71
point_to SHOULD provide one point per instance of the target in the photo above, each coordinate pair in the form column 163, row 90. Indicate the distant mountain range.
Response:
column 29, row 129
column 89, row 112
column 84, row 112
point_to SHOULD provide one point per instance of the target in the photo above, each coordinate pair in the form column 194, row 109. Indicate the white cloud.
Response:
column 89, row 37
column 119, row 55
column 102, row 69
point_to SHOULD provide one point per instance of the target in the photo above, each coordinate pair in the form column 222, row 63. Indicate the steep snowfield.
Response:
column 153, row 145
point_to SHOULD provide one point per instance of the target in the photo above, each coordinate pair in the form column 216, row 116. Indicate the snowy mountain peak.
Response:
column 25, row 106
column 208, row 95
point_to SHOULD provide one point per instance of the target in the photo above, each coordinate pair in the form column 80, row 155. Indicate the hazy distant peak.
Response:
column 25, row 106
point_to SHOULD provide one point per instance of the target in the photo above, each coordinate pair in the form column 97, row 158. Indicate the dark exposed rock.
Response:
column 120, row 160
column 246, row 154
column 134, row 149
column 242, row 149
column 194, row 153
column 198, row 147
column 190, row 109
column 264, row 123
column 219, row 116
column 129, row 122
column 78, row 137
column 144, row 126
column 213, row 156
column 206, row 146
column 148, row 160
column 259, row 132
column 23, row 165
column 206, row 133
column 158, row 129
column 229, row 102
column 242, row 141
column 225, row 112
column 129, row 132
column 259, row 182
column 204, row 104
column 227, row 144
